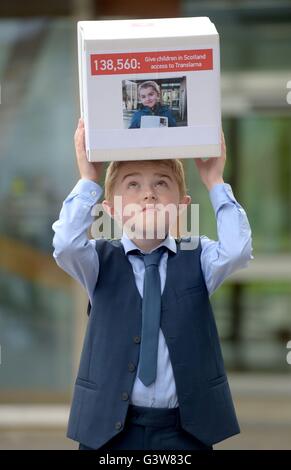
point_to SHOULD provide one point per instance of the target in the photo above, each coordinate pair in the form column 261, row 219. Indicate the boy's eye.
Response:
column 162, row 183
column 132, row 183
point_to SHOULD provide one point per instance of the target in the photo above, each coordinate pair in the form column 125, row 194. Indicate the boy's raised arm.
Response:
column 73, row 251
column 233, row 249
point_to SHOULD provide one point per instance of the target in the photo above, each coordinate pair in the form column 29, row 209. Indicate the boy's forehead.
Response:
column 147, row 88
column 144, row 166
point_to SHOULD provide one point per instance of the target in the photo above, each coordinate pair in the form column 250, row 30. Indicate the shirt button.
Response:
column 125, row 396
column 131, row 367
column 136, row 339
column 118, row 425
column 93, row 193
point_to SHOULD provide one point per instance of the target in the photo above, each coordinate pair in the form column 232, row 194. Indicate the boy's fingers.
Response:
column 80, row 141
column 198, row 162
column 223, row 146
column 80, row 132
column 80, row 123
column 222, row 138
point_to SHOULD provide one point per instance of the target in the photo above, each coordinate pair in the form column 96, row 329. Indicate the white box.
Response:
column 181, row 56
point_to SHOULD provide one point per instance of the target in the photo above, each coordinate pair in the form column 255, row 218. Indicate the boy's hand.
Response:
column 89, row 170
column 211, row 171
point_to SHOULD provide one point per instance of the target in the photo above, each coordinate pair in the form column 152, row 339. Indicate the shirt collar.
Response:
column 128, row 244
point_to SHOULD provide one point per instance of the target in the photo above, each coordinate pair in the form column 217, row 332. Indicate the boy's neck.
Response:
column 147, row 245
column 154, row 108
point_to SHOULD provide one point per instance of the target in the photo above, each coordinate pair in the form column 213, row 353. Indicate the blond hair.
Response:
column 147, row 84
column 112, row 171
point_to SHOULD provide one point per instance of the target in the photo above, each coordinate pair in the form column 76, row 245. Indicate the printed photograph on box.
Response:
column 154, row 103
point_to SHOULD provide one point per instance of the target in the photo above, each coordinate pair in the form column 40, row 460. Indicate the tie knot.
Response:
column 154, row 257
column 150, row 258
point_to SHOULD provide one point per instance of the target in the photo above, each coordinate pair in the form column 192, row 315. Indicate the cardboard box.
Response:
column 176, row 115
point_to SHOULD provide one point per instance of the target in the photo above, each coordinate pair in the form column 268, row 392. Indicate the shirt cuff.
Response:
column 88, row 190
column 220, row 194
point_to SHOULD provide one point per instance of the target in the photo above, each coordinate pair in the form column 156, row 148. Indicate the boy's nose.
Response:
column 149, row 195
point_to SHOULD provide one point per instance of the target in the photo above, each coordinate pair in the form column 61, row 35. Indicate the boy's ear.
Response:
column 186, row 199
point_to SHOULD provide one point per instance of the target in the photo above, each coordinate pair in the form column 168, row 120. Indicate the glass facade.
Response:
column 253, row 315
column 39, row 109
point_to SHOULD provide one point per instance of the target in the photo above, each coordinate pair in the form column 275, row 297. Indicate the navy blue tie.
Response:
column 151, row 313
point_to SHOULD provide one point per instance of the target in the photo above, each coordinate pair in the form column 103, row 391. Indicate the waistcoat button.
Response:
column 118, row 425
column 136, row 339
column 125, row 396
column 131, row 367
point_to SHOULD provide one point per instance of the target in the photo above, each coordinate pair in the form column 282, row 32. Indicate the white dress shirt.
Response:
column 76, row 254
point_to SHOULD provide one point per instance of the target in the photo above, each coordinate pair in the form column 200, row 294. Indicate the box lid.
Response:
column 146, row 28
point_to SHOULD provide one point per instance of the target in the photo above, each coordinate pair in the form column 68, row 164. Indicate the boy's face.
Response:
column 145, row 189
column 148, row 96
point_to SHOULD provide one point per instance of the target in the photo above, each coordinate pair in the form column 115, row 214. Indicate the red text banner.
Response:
column 152, row 62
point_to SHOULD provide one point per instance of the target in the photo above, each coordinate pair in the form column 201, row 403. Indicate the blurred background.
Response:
column 43, row 311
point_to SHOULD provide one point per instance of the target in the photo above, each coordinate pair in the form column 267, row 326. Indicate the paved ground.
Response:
column 263, row 406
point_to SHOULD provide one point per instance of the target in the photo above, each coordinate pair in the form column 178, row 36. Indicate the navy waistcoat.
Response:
column 111, row 349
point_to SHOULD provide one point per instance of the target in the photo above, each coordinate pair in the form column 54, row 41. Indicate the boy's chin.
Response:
column 148, row 233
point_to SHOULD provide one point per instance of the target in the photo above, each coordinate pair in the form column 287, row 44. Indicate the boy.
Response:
column 149, row 94
column 151, row 374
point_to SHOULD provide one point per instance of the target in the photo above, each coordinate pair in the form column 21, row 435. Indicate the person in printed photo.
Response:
column 149, row 95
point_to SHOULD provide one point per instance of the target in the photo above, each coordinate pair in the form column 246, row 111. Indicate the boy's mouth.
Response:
column 149, row 207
